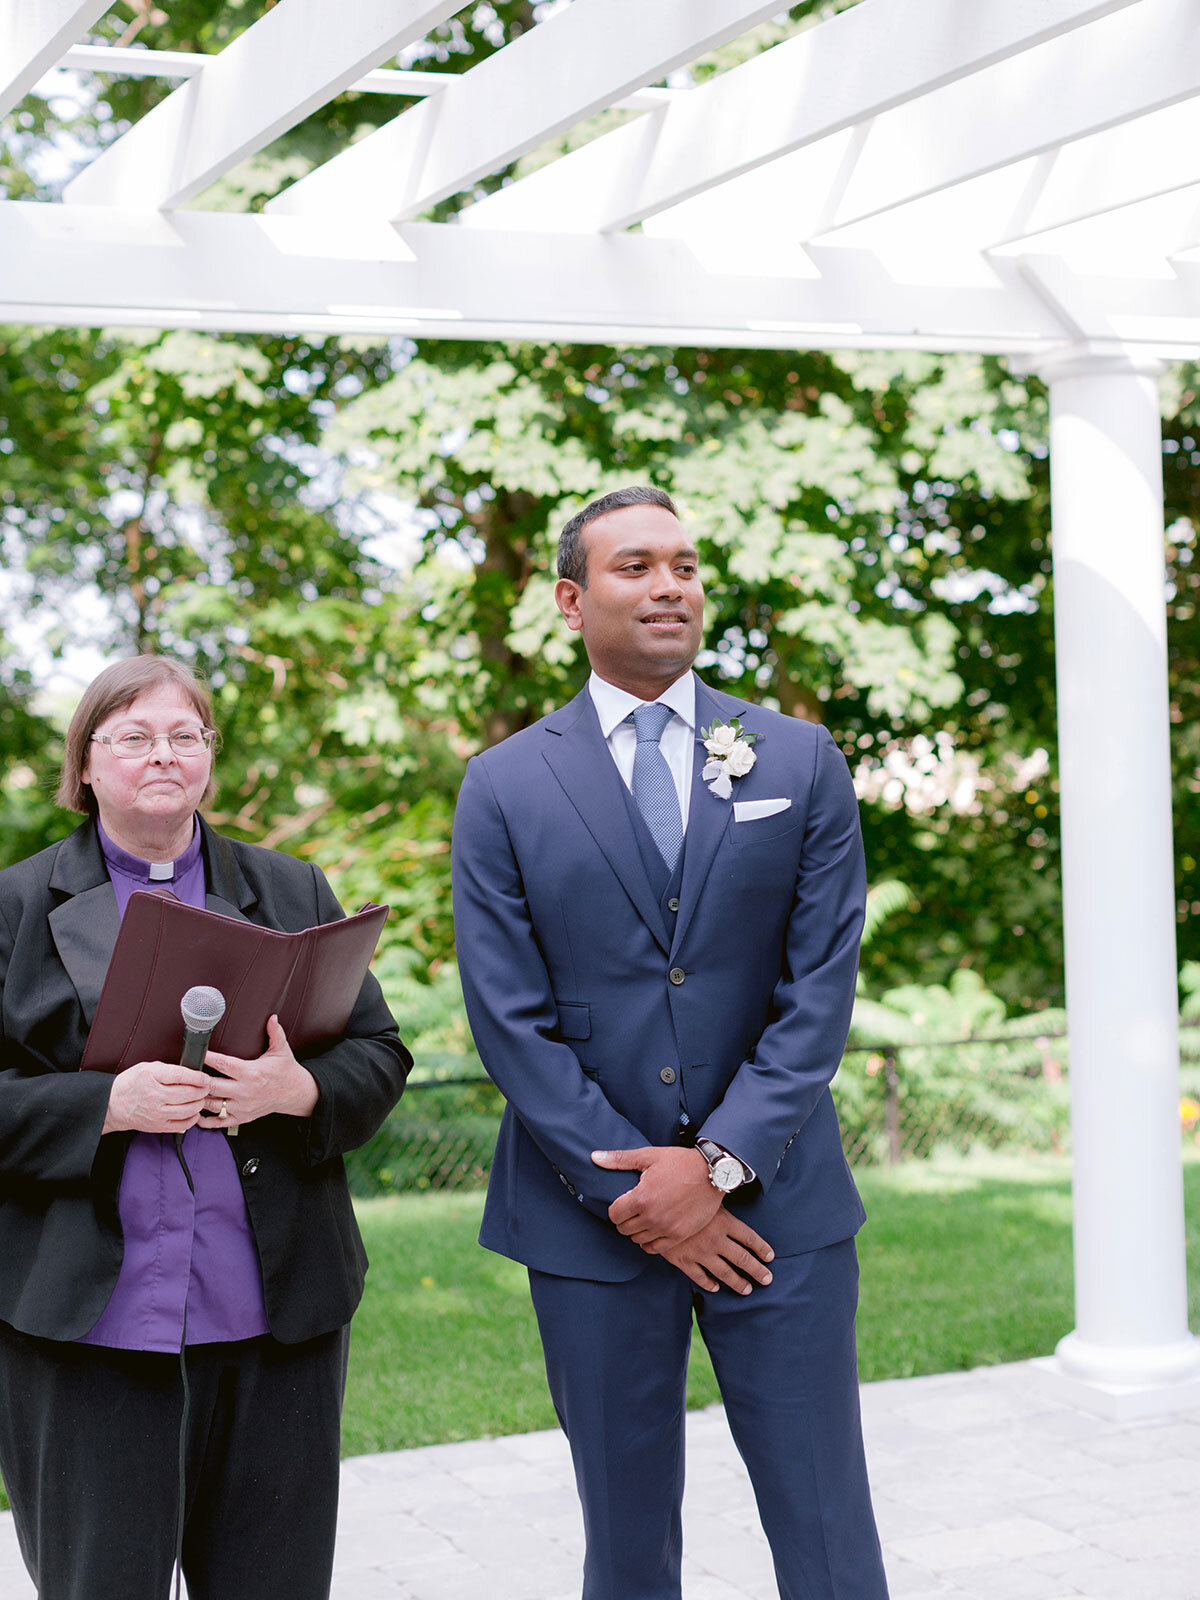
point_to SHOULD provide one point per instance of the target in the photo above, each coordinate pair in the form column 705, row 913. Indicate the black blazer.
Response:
column 60, row 1235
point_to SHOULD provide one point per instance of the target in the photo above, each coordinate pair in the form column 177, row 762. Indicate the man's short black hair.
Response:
column 572, row 558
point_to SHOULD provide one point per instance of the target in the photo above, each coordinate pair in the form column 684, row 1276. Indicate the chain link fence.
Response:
column 952, row 1097
column 440, row 1136
column 896, row 1103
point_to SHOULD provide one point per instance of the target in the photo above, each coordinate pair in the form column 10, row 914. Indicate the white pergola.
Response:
column 1011, row 176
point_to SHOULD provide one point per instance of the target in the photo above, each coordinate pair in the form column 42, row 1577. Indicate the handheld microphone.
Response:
column 202, row 1008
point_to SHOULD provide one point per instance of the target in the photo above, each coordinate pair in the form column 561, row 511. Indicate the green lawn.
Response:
column 963, row 1264
column 444, row 1345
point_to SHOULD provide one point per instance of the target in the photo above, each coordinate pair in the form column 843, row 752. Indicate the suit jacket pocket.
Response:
column 574, row 1020
column 756, row 830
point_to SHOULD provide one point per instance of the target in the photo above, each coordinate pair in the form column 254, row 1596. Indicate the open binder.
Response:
column 310, row 980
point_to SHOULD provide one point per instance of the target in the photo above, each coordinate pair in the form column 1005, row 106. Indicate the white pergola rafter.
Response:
column 1011, row 176
column 34, row 34
column 299, row 55
column 862, row 62
column 1121, row 166
column 585, row 58
column 1052, row 94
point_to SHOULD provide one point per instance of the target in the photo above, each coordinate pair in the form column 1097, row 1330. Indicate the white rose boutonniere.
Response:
column 729, row 756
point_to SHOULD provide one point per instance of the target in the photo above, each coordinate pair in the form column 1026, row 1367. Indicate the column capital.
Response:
column 1089, row 358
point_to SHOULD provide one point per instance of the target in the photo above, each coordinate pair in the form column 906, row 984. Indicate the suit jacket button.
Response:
column 672, row 904
column 667, row 1074
column 250, row 1168
column 677, row 974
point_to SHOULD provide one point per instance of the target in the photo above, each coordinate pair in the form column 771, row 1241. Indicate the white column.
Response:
column 1118, row 885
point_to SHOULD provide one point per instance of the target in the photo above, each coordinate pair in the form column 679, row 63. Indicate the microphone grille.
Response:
column 202, row 1008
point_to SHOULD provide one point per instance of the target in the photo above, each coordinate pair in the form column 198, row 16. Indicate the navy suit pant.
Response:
column 784, row 1356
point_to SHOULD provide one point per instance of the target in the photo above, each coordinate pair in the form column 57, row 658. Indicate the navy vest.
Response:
column 665, row 886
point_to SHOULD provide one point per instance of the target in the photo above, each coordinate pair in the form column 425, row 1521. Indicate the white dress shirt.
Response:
column 678, row 742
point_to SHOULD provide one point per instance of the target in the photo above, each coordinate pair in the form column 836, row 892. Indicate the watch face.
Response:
column 727, row 1173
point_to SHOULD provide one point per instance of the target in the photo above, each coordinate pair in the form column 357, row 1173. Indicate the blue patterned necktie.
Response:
column 653, row 786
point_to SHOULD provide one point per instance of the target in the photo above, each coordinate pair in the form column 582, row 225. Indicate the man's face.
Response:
column 642, row 611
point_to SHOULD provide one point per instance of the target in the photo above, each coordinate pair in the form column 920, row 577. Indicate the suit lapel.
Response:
column 227, row 892
column 708, row 818
column 581, row 761
column 84, row 926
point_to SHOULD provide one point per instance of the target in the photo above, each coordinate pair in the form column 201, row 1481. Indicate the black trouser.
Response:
column 89, row 1447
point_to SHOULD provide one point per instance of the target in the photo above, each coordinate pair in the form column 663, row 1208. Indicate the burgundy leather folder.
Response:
column 309, row 979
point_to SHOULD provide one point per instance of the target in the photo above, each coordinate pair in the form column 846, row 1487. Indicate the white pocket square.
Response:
column 751, row 810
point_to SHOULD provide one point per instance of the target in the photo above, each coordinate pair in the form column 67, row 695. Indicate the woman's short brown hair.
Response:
column 116, row 688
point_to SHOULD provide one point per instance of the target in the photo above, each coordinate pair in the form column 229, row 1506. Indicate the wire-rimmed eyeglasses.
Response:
column 184, row 742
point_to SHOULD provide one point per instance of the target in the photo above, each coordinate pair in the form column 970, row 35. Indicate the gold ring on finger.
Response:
column 224, row 1110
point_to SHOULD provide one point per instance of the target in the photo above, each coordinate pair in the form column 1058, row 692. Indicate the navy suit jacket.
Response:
column 567, row 961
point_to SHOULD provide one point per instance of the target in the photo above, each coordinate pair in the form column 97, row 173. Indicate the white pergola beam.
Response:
column 854, row 66
column 294, row 59
column 1072, row 301
column 1057, row 92
column 93, row 266
column 1124, row 195
column 1136, row 161
column 913, row 168
column 562, row 71
column 97, row 265
column 1141, row 240
column 1161, row 313
column 1188, row 247
column 33, row 35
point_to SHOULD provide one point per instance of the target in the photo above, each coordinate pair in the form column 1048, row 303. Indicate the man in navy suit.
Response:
column 658, row 897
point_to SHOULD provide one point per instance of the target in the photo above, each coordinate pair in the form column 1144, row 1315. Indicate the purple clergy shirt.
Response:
column 181, row 1251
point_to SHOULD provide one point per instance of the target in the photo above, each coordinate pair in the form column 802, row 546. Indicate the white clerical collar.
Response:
column 613, row 705
column 131, row 866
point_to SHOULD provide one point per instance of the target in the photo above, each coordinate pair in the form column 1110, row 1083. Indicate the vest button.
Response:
column 672, row 904
column 677, row 974
column 667, row 1074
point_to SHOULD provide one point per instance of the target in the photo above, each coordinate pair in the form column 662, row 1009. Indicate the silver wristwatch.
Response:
column 725, row 1172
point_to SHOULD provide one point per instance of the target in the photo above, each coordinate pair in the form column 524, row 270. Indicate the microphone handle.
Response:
column 195, row 1043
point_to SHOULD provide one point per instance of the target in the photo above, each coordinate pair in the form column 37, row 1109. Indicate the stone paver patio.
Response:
column 984, row 1487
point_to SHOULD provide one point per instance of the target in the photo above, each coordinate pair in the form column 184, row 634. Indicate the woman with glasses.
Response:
column 172, row 1347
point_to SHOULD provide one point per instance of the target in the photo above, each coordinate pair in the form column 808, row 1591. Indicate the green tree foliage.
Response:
column 172, row 478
